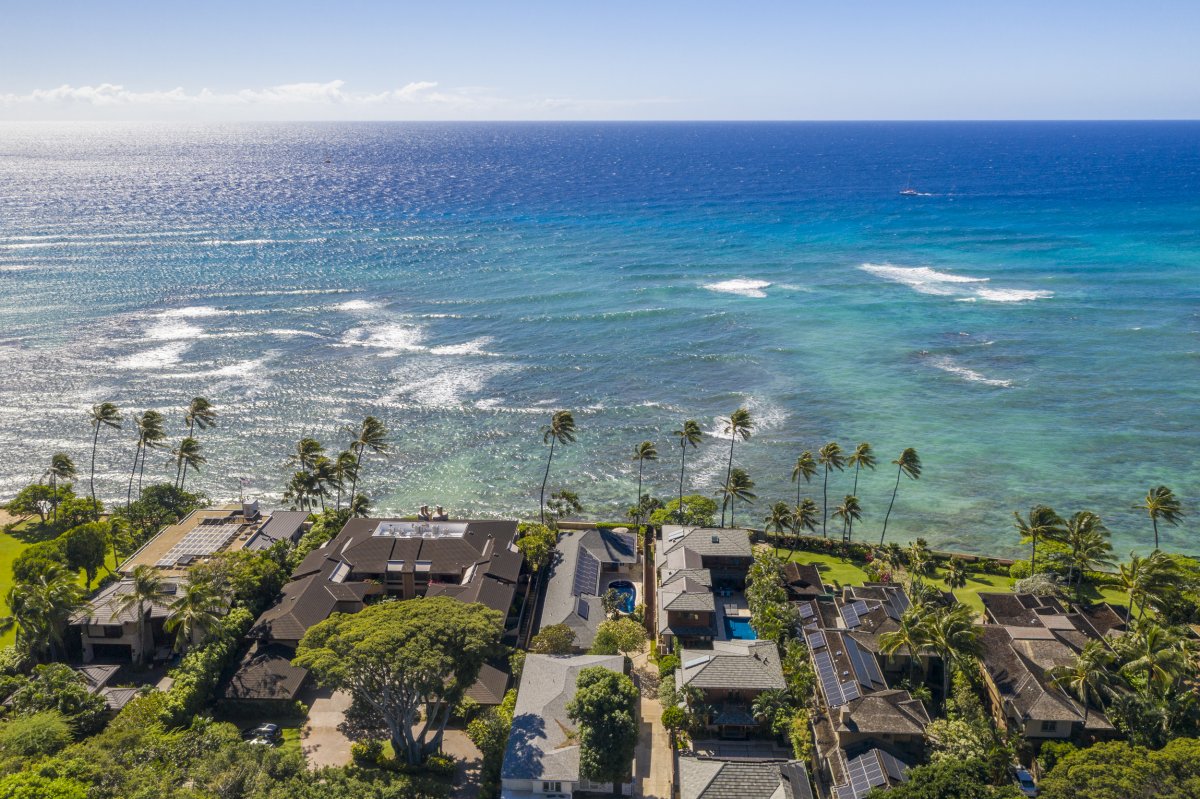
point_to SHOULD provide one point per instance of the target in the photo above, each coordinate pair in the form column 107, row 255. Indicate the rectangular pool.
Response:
column 739, row 628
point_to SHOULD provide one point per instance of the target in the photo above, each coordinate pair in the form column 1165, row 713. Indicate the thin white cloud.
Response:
column 332, row 92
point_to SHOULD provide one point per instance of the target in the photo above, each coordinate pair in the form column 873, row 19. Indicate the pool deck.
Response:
column 733, row 606
column 631, row 577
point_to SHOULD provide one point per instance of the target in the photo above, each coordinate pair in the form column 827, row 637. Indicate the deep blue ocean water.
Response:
column 1030, row 322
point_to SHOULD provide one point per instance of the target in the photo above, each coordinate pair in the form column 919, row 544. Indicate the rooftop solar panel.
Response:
column 850, row 616
column 587, row 574
column 830, row 685
column 806, row 611
column 815, row 639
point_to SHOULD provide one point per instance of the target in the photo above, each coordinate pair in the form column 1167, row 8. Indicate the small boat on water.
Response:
column 910, row 193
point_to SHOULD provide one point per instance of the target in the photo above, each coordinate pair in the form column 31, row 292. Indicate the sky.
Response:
column 575, row 60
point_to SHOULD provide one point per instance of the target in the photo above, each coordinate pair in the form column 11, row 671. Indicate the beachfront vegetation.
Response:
column 829, row 457
column 561, row 430
column 909, row 463
column 689, row 435
column 691, row 509
column 645, row 451
column 740, row 424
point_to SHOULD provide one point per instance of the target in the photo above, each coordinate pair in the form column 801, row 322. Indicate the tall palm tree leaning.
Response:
column 805, row 467
column 849, row 512
column 1161, row 503
column 151, row 434
column 1087, row 538
column 829, row 456
column 1043, row 523
column 740, row 424
column 188, row 456
column 804, row 517
column 1090, row 678
column 779, row 519
column 689, row 435
column 1146, row 579
column 194, row 614
column 61, row 468
column 561, row 430
column 370, row 435
column 146, row 588
column 345, row 470
column 740, row 488
column 198, row 413
column 103, row 415
column 863, row 457
column 908, row 463
column 645, row 451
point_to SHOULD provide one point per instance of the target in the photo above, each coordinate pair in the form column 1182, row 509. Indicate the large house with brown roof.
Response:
column 699, row 570
column 728, row 678
column 472, row 561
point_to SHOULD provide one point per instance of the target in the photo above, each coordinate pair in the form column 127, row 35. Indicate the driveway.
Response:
column 321, row 741
column 653, row 772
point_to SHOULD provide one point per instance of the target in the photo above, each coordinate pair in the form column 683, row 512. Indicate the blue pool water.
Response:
column 627, row 593
column 739, row 628
column 1029, row 322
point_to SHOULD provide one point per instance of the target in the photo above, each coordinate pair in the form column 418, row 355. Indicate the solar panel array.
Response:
column 827, row 674
column 204, row 540
column 806, row 611
column 865, row 666
column 587, row 574
column 865, row 773
column 815, row 639
column 852, row 612
column 583, row 610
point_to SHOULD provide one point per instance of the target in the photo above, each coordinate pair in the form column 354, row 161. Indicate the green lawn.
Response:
column 846, row 572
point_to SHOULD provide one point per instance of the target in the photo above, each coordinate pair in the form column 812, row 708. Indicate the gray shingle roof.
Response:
column 542, row 743
column 707, row 542
column 720, row 779
column 747, row 665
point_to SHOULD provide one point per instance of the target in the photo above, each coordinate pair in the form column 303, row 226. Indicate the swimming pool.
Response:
column 628, row 594
column 739, row 628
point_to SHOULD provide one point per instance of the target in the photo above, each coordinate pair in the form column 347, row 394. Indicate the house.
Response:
column 703, row 778
column 108, row 627
column 97, row 678
column 728, row 678
column 803, row 581
column 542, row 755
column 586, row 563
column 701, row 574
column 472, row 561
column 871, row 770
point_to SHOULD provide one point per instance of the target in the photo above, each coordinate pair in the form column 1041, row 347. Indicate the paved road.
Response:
column 321, row 741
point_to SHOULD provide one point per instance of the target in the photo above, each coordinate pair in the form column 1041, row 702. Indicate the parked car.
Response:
column 1025, row 783
column 265, row 735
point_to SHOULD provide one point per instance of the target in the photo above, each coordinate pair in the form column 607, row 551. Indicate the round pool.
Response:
column 627, row 593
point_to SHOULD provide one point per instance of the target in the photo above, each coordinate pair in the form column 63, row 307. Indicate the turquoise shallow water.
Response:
column 1030, row 322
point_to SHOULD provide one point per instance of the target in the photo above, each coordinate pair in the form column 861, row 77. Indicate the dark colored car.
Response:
column 266, row 734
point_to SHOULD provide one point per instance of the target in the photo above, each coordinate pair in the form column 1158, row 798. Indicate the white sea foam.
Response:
column 1012, row 295
column 472, row 347
column 388, row 337
column 283, row 332
column 157, row 358
column 259, row 242
column 196, row 311
column 356, row 305
column 950, row 366
column 741, row 286
column 922, row 278
column 440, row 388
column 168, row 330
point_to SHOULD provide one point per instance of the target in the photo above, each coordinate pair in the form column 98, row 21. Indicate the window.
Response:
column 551, row 787
column 1049, row 726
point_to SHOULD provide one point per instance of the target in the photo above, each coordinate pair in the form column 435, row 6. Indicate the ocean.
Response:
column 1029, row 321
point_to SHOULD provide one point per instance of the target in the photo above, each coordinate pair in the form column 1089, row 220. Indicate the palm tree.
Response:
column 1043, row 522
column 1147, row 579
column 917, row 564
column 739, row 488
column 908, row 463
column 41, row 610
column 739, row 425
column 61, row 468
column 1156, row 652
column 953, row 633
column 194, row 614
column 302, row 490
column 150, row 435
column 849, row 512
column 1087, row 537
column 370, row 435
column 829, row 456
column 307, row 451
column 862, row 458
column 345, row 470
column 1089, row 679
column 561, row 430
column 145, row 589
column 198, row 413
column 325, row 474
column 689, row 435
column 804, row 517
column 956, row 573
column 805, row 468
column 780, row 518
column 103, row 415
column 1161, row 503
column 911, row 636
column 645, row 451
column 187, row 456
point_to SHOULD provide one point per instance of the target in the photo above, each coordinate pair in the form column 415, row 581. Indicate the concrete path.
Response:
column 653, row 765
column 321, row 741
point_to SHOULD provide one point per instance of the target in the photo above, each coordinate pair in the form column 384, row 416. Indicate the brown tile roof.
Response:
column 266, row 672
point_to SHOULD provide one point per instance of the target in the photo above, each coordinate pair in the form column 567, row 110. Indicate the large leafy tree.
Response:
column 86, row 547
column 410, row 662
column 556, row 639
column 1118, row 770
column 623, row 635
column 909, row 463
column 830, row 457
column 537, row 544
column 740, row 424
column 605, row 708
column 1161, row 503
column 689, row 435
column 645, row 451
column 1042, row 524
column 561, row 430
column 107, row 415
